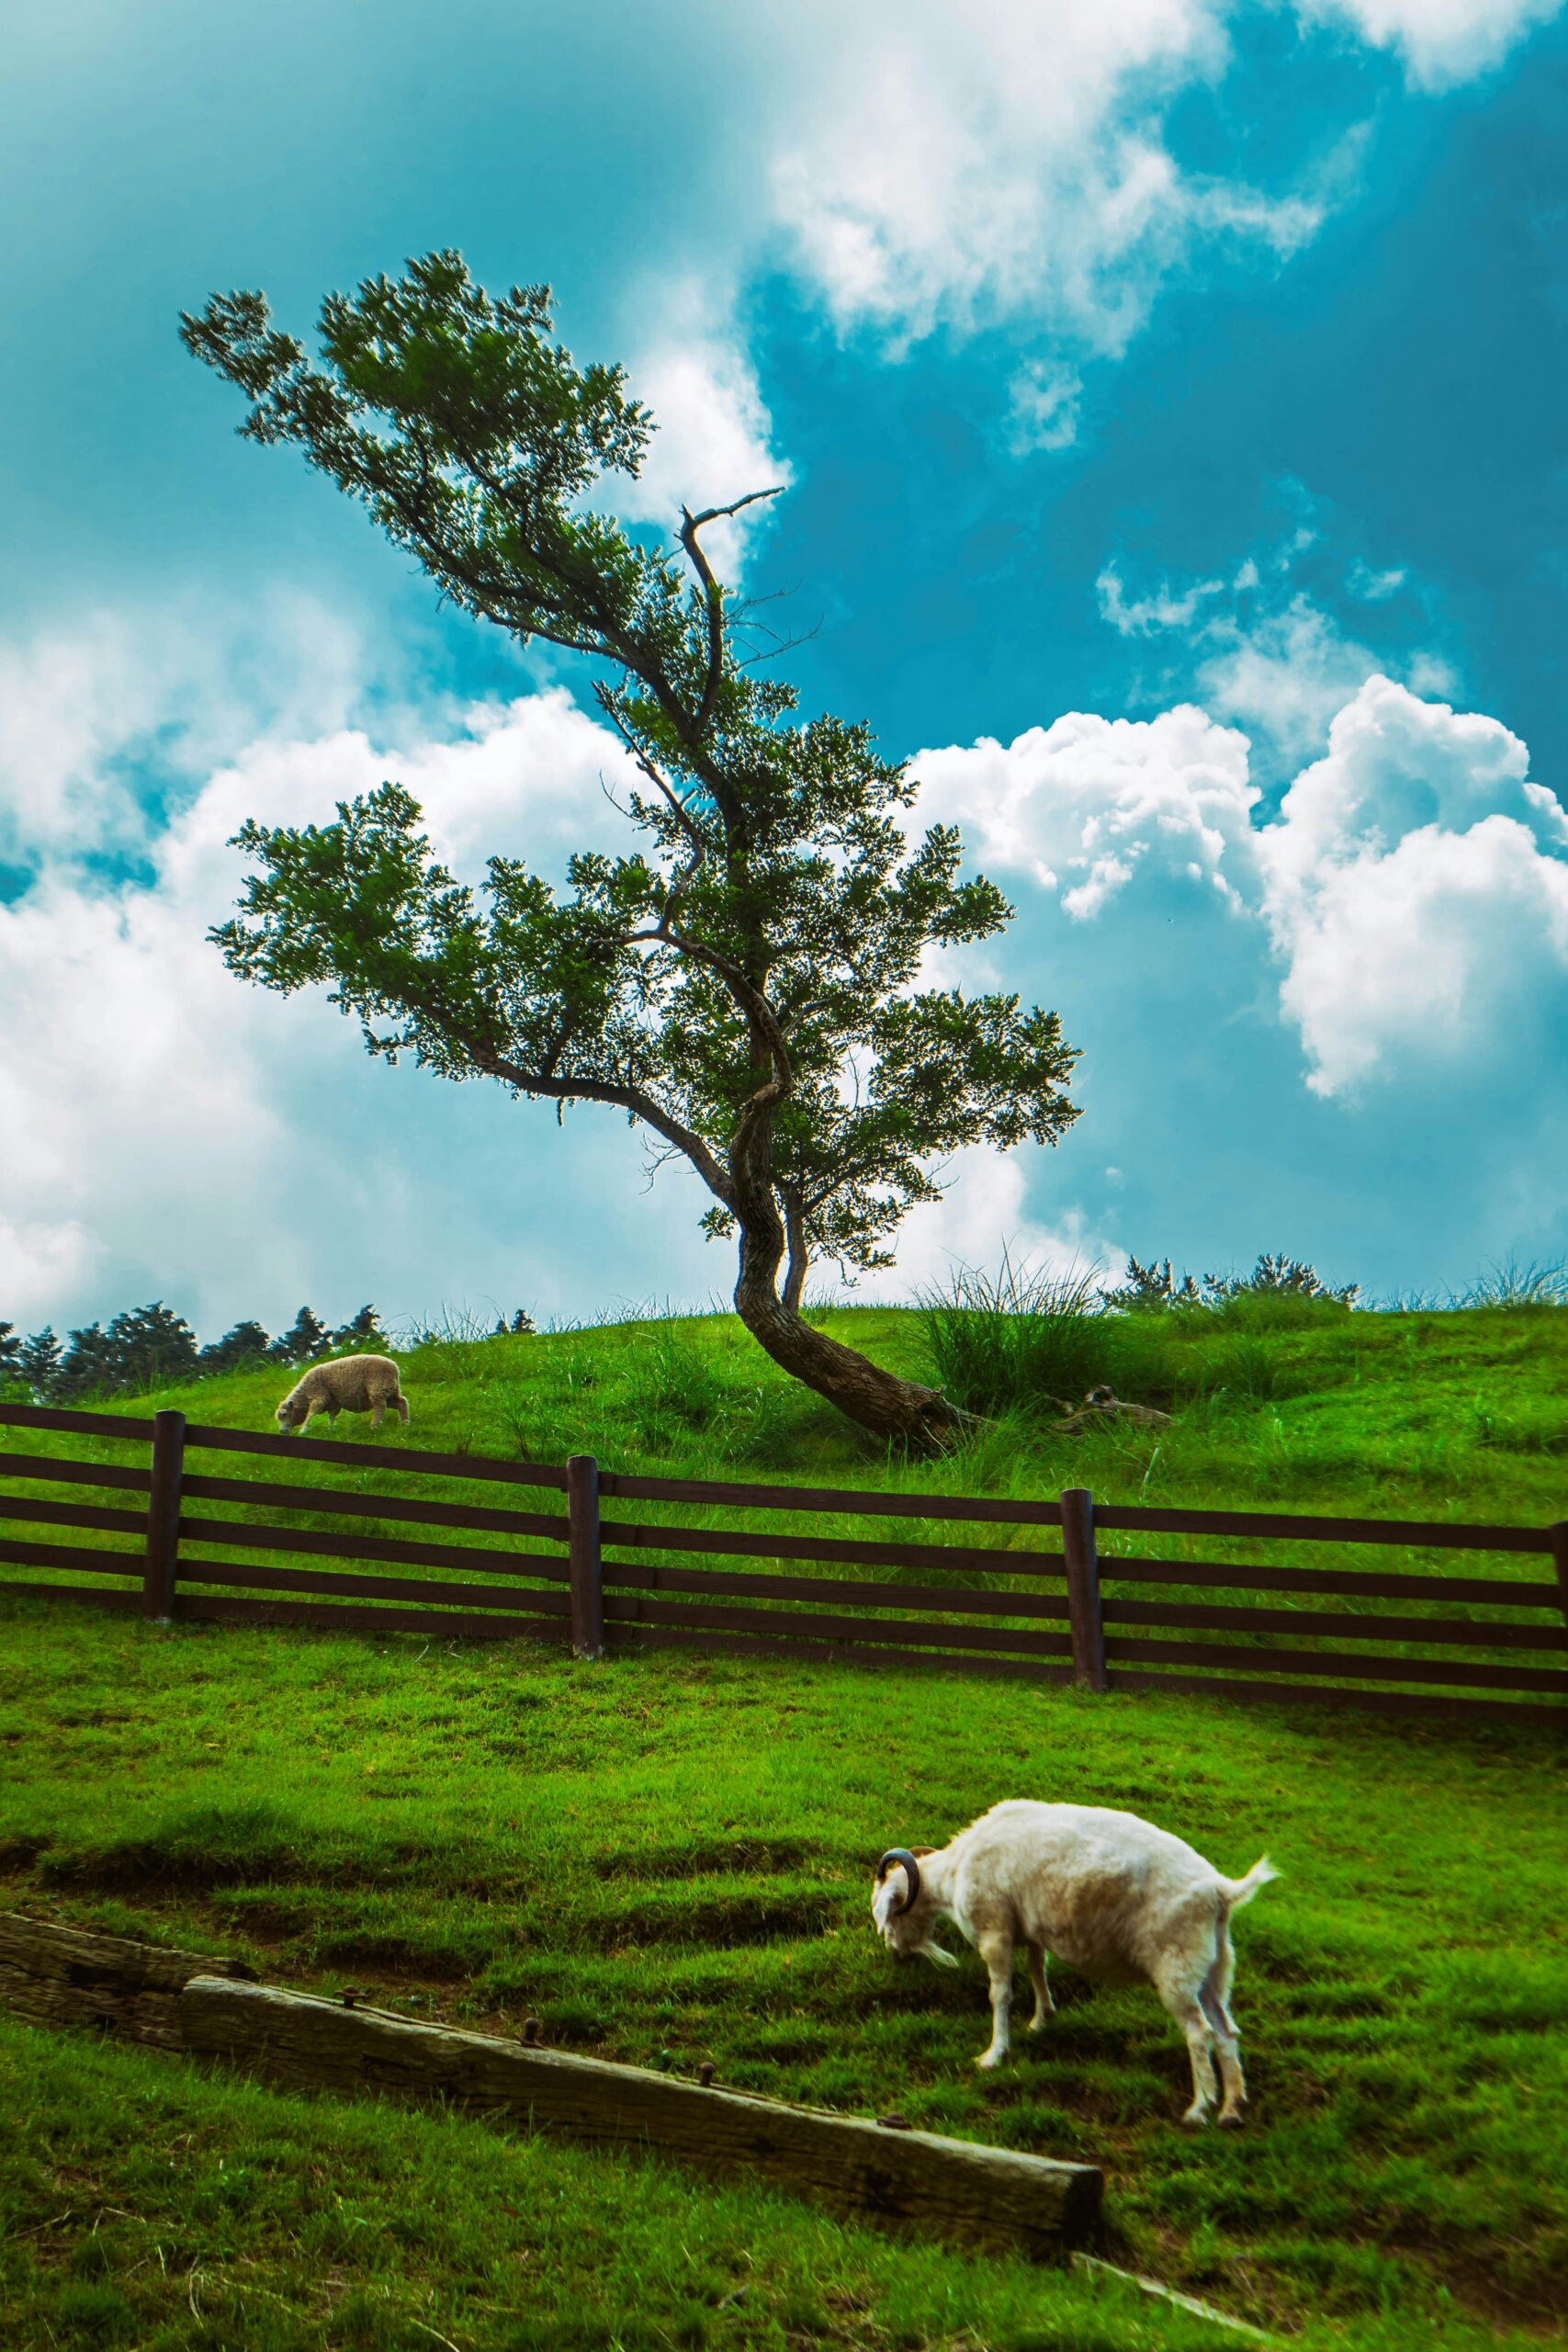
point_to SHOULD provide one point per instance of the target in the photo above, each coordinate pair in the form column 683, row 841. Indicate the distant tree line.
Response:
column 151, row 1347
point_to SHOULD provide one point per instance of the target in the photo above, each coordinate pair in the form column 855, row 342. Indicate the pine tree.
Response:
column 10, row 1351
column 91, row 1366
column 309, row 1339
column 362, row 1333
column 247, row 1344
column 522, row 1323
column 38, row 1363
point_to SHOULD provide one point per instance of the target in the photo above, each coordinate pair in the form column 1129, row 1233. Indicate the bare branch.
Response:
column 607, row 701
column 690, row 525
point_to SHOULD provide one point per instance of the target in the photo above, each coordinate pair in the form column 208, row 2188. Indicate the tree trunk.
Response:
column 799, row 1254
column 878, row 1400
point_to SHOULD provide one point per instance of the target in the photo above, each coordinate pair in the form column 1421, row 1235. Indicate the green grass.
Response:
column 147, row 2206
column 668, row 1860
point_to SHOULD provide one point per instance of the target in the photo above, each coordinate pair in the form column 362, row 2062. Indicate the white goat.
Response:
column 1108, row 1893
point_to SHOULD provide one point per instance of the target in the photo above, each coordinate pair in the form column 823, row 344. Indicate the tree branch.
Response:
column 625, row 1098
column 690, row 525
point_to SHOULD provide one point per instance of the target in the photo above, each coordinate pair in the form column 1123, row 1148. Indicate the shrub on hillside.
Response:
column 1278, row 1291
column 1022, row 1341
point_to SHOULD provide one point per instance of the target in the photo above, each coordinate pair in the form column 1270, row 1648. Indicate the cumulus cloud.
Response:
column 1442, row 42
column 1416, row 893
column 1396, row 934
column 1413, row 889
column 1085, row 804
column 170, row 1131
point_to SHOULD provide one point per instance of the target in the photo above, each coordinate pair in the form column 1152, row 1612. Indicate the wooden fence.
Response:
column 1006, row 1606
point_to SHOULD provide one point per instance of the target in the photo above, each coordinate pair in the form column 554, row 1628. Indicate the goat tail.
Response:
column 1234, row 1891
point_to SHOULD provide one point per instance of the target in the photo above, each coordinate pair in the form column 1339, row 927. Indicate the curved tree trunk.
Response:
column 878, row 1400
column 799, row 1254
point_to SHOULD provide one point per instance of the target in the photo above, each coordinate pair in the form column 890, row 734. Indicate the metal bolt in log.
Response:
column 704, row 2073
column 530, row 2029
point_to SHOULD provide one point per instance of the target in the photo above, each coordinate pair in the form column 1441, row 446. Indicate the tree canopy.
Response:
column 745, row 981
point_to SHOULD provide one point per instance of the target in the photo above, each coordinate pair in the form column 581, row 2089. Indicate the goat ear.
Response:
column 919, row 1852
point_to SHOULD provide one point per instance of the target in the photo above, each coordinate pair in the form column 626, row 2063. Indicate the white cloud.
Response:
column 1043, row 407
column 983, row 1214
column 1284, row 674
column 1374, row 587
column 1271, row 659
column 713, row 443
column 1004, row 163
column 92, row 714
column 1442, row 41
column 1413, row 889
column 171, row 1131
column 1085, row 804
column 1416, row 894
column 1145, row 615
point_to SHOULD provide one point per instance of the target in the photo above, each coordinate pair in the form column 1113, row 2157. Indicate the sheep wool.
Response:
column 348, row 1385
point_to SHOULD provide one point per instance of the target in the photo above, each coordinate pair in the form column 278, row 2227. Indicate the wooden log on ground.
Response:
column 52, row 1975
column 954, row 2189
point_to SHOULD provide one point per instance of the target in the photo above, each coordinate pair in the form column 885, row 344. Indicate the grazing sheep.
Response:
column 1102, row 1405
column 1109, row 1894
column 348, row 1385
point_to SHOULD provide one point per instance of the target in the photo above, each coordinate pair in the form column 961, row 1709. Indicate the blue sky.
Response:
column 1170, row 398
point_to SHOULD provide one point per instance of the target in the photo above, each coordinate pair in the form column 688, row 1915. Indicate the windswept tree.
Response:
column 744, row 982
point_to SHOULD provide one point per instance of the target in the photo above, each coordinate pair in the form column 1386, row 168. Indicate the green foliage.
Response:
column 247, row 1344
column 38, row 1363
column 361, row 1335
column 1287, row 1284
column 144, row 1348
column 308, row 1340
column 1511, row 1284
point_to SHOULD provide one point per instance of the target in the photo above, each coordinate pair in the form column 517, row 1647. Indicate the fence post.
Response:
column 1558, row 1532
column 587, row 1564
column 1082, row 1564
column 163, row 1516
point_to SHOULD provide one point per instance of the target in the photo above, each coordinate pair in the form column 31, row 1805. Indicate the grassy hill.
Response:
column 668, row 1858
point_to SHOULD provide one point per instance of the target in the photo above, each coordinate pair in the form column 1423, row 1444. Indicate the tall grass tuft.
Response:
column 1511, row 1284
column 1025, row 1340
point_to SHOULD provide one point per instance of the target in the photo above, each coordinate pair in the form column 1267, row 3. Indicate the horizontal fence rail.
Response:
column 178, row 1542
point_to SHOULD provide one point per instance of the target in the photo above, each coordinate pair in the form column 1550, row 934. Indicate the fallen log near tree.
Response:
column 958, row 2190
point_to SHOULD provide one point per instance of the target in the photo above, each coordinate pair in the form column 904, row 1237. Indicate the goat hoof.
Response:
column 1196, row 2118
column 1233, row 2119
column 989, row 2059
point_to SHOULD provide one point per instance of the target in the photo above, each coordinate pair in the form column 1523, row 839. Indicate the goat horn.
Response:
column 911, row 1868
